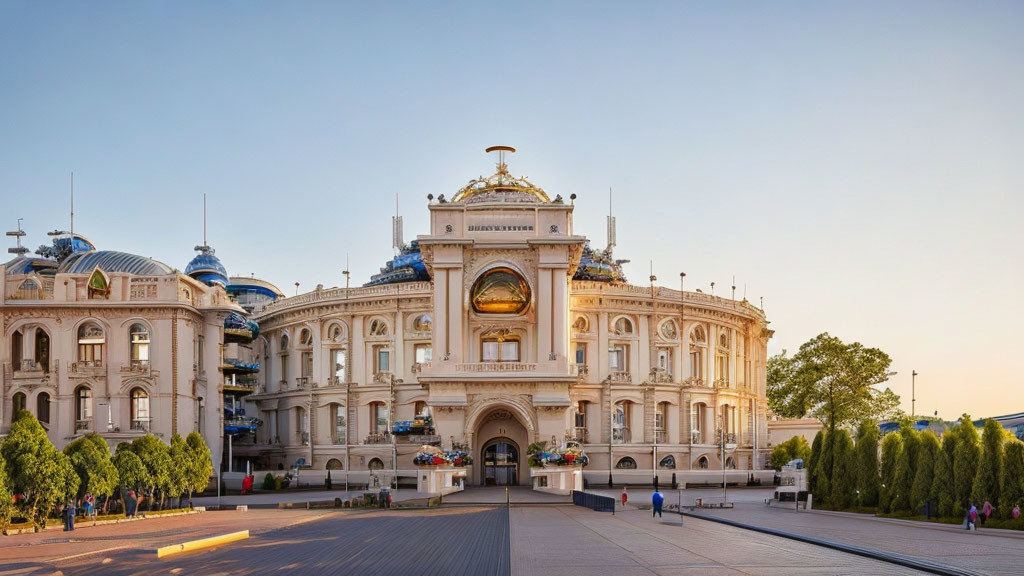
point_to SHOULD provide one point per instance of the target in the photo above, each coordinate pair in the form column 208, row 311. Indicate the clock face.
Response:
column 500, row 291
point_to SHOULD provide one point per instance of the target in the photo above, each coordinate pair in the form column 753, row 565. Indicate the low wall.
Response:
column 598, row 477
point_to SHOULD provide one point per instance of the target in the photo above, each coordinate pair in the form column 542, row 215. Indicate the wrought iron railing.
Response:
column 496, row 367
column 621, row 435
column 620, row 377
column 379, row 438
column 141, row 424
column 82, row 425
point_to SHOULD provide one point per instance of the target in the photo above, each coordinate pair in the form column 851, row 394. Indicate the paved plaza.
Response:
column 532, row 537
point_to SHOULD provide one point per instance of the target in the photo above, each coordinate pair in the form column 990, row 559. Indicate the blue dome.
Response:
column 111, row 261
column 207, row 268
column 29, row 265
column 408, row 266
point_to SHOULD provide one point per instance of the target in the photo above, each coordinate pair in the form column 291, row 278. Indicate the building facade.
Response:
column 501, row 324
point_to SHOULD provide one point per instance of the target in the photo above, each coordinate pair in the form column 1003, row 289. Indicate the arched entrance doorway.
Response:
column 499, row 444
column 500, row 461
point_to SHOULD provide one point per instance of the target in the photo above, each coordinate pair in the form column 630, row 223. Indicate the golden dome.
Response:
column 501, row 186
column 500, row 291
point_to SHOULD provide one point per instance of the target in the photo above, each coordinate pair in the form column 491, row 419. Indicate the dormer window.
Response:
column 99, row 285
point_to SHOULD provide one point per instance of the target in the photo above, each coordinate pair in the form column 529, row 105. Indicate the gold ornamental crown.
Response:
column 501, row 186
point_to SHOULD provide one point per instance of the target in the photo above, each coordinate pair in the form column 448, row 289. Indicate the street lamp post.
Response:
column 913, row 398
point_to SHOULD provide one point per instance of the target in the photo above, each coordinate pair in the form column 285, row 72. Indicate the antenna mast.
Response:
column 18, row 234
column 72, row 207
column 611, row 223
column 204, row 248
column 396, row 229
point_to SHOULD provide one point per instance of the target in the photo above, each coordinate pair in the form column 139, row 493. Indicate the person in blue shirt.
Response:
column 657, row 500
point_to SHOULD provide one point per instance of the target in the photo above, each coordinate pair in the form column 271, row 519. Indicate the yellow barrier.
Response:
column 202, row 543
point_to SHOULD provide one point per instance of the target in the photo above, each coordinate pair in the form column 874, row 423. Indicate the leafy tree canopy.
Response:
column 36, row 469
column 832, row 381
column 92, row 464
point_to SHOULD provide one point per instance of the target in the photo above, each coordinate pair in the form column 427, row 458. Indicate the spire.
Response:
column 18, row 234
column 611, row 223
column 204, row 248
column 502, row 167
column 72, row 205
column 396, row 229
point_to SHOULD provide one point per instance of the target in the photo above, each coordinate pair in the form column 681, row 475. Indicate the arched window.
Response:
column 43, row 407
column 305, row 337
column 423, row 323
column 626, row 463
column 621, row 422
column 336, row 334
column 140, row 410
column 99, row 286
column 83, row 407
column 668, row 462
column 698, row 341
column 730, row 463
column 623, row 326
column 91, row 340
column 581, row 324
column 18, row 349
column 376, row 464
column 284, row 342
column 284, row 358
column 722, row 360
column 29, row 290
column 702, row 462
column 20, row 402
column 334, row 464
column 661, row 422
column 378, row 327
column 139, row 337
column 42, row 349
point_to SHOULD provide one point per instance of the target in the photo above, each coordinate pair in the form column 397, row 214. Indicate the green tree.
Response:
column 36, row 469
column 1012, row 483
column 868, row 480
column 965, row 461
column 6, row 505
column 832, row 381
column 990, row 467
column 795, row 447
column 177, row 483
column 823, row 468
column 924, row 473
column 903, row 475
column 843, row 470
column 200, row 465
column 812, row 464
column 892, row 447
column 911, row 443
column 156, row 457
column 943, row 490
column 96, row 473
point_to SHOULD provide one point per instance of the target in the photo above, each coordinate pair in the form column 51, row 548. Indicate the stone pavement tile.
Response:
column 699, row 571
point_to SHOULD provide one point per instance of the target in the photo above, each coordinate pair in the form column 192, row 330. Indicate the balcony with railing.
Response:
column 378, row 438
column 28, row 370
column 82, row 425
column 86, row 368
column 383, row 377
column 496, row 367
column 136, row 367
column 695, row 382
column 580, row 435
column 660, row 376
column 301, row 382
column 141, row 424
column 620, row 377
column 622, row 435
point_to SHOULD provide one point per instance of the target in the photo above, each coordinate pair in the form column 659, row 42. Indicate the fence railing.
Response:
column 595, row 502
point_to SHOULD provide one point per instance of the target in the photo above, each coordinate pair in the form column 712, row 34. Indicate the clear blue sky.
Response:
column 859, row 166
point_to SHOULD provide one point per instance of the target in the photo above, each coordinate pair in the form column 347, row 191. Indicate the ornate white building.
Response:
column 501, row 323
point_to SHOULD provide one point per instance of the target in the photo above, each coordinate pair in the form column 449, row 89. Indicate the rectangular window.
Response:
column 202, row 351
column 423, row 353
column 307, row 364
column 617, row 358
column 499, row 351
column 338, row 359
column 284, row 367
column 581, row 415
column 382, row 357
column 581, row 353
column 665, row 360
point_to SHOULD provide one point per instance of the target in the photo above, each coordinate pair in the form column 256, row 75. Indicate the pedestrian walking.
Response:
column 69, row 516
column 972, row 518
column 130, row 502
column 986, row 511
column 656, row 501
column 623, row 495
column 90, row 510
column 1016, row 511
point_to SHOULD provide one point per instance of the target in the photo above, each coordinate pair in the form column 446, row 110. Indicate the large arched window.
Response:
column 83, row 407
column 378, row 327
column 305, row 337
column 334, row 464
column 698, row 342
column 140, row 410
column 703, row 463
column 91, row 340
column 668, row 462
column 29, row 290
column 376, row 464
column 623, row 326
column 626, row 463
column 42, row 350
column 43, row 407
column 20, row 402
column 138, row 336
column 18, row 349
column 722, row 360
